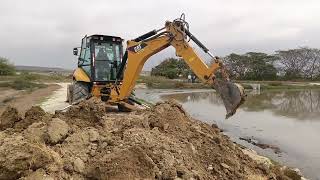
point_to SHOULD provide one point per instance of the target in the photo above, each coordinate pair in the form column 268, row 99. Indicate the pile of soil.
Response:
column 90, row 142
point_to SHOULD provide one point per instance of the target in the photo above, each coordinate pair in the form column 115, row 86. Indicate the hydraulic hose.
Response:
column 194, row 39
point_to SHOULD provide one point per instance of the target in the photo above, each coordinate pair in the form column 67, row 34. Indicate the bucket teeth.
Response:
column 232, row 95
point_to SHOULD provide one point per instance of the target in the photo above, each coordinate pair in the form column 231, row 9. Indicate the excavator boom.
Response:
column 175, row 34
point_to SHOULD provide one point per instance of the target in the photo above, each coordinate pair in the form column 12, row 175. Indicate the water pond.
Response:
column 283, row 125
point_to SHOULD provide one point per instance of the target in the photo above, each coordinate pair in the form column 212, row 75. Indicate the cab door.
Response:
column 84, row 60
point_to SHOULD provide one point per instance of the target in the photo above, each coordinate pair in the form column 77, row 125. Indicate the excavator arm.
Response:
column 175, row 34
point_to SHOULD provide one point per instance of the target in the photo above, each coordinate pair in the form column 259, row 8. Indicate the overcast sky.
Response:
column 43, row 32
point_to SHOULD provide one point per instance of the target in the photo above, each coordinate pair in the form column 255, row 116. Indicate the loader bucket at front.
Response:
column 232, row 95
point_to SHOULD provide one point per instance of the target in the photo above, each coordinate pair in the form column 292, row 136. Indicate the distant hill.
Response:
column 42, row 69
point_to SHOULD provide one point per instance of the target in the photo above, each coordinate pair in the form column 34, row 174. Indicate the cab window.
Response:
column 107, row 59
column 104, row 51
column 83, row 47
column 84, row 59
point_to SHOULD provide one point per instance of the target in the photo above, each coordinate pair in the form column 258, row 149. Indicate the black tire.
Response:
column 122, row 108
column 78, row 91
column 69, row 93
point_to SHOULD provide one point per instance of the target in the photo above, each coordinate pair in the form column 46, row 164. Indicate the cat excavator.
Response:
column 108, row 72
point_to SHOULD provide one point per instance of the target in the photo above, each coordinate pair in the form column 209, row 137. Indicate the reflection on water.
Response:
column 302, row 104
column 287, row 119
column 295, row 104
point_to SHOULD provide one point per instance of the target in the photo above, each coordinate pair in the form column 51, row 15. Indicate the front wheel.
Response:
column 77, row 92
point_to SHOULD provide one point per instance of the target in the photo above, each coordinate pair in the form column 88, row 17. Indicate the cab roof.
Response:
column 106, row 38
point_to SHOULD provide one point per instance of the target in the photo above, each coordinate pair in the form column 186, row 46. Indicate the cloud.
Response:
column 44, row 32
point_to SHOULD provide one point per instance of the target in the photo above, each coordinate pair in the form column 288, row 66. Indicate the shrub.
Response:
column 29, row 76
column 171, row 68
column 6, row 68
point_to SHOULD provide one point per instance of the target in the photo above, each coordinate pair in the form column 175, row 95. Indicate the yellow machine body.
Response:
column 141, row 49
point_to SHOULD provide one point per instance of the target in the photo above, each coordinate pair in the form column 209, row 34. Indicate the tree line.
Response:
column 293, row 64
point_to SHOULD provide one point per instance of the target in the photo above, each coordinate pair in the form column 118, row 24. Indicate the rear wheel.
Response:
column 77, row 92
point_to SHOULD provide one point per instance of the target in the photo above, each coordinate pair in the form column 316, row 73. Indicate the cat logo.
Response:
column 137, row 47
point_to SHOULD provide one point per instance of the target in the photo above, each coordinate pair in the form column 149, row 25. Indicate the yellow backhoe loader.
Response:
column 106, row 71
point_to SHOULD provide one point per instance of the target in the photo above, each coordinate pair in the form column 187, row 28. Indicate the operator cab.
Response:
column 100, row 57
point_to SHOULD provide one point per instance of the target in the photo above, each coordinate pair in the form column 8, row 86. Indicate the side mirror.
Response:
column 75, row 51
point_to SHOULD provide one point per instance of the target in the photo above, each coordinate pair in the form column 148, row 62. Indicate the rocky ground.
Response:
column 92, row 141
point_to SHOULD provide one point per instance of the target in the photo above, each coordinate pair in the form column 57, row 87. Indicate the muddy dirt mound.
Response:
column 88, row 142
column 169, row 117
column 91, row 111
column 9, row 117
column 18, row 157
column 129, row 163
column 34, row 114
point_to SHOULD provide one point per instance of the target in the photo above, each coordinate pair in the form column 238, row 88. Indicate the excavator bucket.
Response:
column 232, row 95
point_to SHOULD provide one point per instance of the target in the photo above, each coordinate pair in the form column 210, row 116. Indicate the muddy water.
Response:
column 57, row 100
column 289, row 120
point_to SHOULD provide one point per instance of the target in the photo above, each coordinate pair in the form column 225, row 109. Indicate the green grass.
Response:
column 36, row 77
column 275, row 83
column 290, row 87
column 29, row 81
column 44, row 77
column 22, row 84
column 270, row 85
column 158, row 82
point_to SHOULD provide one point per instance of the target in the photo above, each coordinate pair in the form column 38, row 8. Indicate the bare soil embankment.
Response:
column 89, row 141
column 24, row 100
